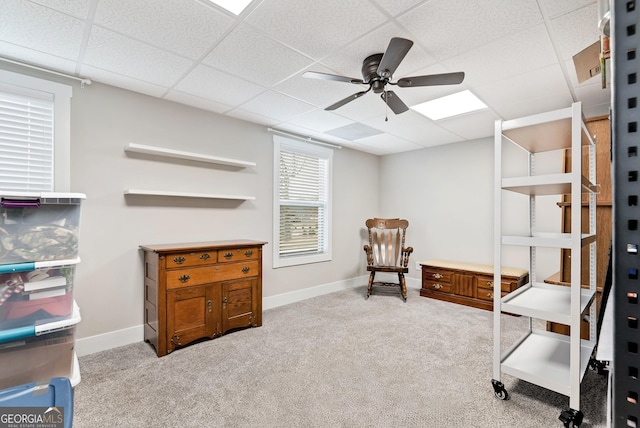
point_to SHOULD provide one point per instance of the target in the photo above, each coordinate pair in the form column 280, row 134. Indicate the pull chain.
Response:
column 386, row 109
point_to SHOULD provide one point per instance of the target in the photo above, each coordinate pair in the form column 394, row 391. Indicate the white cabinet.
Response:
column 550, row 360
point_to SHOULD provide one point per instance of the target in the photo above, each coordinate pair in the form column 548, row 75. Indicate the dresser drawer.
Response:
column 189, row 277
column 505, row 284
column 238, row 254
column 212, row 273
column 198, row 258
column 437, row 276
column 487, row 294
column 437, row 286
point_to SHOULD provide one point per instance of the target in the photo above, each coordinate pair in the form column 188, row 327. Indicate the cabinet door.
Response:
column 239, row 303
column 463, row 285
column 192, row 313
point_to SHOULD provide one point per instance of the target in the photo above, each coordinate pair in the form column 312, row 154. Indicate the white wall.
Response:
column 446, row 193
column 109, row 287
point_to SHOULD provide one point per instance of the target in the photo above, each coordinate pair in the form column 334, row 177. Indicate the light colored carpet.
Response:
column 337, row 360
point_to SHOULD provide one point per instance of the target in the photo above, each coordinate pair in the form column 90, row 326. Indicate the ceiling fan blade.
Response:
column 432, row 80
column 392, row 57
column 326, row 76
column 347, row 100
column 394, row 103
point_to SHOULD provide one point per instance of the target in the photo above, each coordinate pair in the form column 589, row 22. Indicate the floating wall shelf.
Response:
column 179, row 154
column 187, row 195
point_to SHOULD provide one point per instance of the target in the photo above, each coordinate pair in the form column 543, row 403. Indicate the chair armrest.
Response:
column 406, row 252
column 369, row 251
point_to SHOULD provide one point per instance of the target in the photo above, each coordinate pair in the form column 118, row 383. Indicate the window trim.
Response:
column 283, row 143
column 61, row 121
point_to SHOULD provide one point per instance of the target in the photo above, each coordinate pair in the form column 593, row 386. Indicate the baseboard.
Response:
column 127, row 336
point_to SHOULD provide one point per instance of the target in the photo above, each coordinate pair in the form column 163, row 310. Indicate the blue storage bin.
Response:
column 52, row 401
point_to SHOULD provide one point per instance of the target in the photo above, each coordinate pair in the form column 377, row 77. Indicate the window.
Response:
column 34, row 134
column 302, row 203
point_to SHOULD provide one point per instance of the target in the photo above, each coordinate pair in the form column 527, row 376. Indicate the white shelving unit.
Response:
column 550, row 360
column 179, row 154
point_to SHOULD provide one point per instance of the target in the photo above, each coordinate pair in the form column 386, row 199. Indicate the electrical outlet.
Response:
column 418, row 267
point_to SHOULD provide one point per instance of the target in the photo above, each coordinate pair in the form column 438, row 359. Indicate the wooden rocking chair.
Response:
column 386, row 251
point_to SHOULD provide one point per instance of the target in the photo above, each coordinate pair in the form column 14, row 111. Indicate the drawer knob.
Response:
column 437, row 286
column 210, row 305
column 224, row 302
column 246, row 269
column 179, row 260
column 490, row 295
column 228, row 255
column 205, row 256
column 248, row 253
column 184, row 278
column 490, row 283
column 437, row 276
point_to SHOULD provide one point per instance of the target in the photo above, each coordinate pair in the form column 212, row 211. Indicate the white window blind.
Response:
column 26, row 142
column 303, row 189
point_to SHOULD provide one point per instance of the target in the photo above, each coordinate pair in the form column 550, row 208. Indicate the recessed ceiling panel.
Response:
column 575, row 31
column 354, row 131
column 472, row 126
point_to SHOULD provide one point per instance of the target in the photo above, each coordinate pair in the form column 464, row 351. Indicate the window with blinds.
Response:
column 302, row 200
column 35, row 134
column 26, row 142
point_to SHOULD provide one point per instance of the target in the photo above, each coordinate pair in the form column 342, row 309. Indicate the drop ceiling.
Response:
column 516, row 54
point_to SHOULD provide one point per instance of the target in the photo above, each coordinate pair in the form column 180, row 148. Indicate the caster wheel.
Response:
column 499, row 390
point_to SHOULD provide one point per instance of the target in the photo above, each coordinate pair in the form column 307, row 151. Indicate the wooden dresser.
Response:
column 467, row 283
column 200, row 290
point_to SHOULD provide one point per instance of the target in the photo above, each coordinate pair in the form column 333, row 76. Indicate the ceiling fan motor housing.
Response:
column 370, row 73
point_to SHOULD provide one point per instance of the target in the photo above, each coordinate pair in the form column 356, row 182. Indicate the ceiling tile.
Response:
column 250, row 55
column 111, row 51
column 395, row 7
column 333, row 24
column 276, row 106
column 26, row 24
column 526, row 94
column 555, row 8
column 206, row 82
column 195, row 101
column 320, row 121
column 77, row 8
column 575, row 31
column 186, row 28
column 388, row 143
column 515, row 54
column 121, row 81
column 437, row 24
column 251, row 117
column 472, row 126
column 31, row 56
column 409, row 125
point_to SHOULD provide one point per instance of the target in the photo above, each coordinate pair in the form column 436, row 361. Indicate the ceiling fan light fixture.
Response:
column 234, row 6
column 450, row 105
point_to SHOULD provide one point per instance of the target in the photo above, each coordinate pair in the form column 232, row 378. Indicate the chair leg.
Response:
column 370, row 286
column 403, row 286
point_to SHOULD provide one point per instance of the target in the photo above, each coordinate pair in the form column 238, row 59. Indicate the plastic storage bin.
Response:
column 39, row 226
column 53, row 400
column 36, row 353
column 36, row 293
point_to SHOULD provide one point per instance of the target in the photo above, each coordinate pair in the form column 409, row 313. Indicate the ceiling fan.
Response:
column 377, row 72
